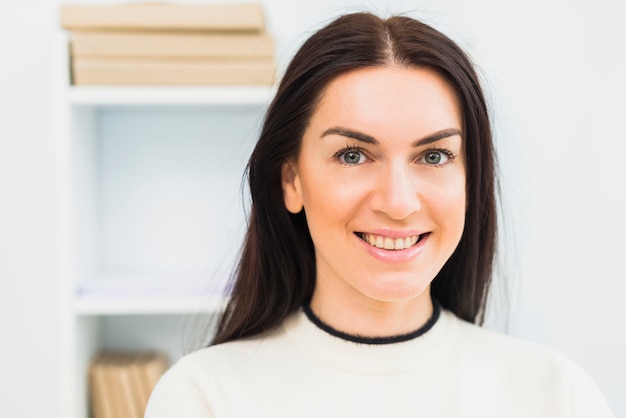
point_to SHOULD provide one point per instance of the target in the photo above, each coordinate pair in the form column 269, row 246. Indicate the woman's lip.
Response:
column 393, row 233
column 395, row 256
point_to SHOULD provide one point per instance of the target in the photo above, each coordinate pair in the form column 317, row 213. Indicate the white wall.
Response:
column 28, row 325
column 555, row 77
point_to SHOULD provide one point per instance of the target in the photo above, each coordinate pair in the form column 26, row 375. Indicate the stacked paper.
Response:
column 120, row 384
column 169, row 44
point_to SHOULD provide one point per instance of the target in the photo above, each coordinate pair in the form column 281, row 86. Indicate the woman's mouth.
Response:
column 388, row 243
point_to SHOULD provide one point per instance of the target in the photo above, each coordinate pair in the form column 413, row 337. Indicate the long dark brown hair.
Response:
column 276, row 271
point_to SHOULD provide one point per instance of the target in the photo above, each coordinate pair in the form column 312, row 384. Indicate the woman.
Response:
column 369, row 252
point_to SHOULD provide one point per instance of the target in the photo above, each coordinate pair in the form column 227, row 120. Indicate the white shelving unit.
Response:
column 150, row 214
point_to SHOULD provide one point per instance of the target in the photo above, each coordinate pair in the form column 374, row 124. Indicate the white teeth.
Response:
column 387, row 243
column 371, row 239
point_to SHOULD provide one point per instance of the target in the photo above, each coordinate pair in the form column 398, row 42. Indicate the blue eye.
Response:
column 436, row 157
column 351, row 156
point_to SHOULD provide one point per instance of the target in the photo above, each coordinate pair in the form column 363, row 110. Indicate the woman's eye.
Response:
column 352, row 157
column 436, row 157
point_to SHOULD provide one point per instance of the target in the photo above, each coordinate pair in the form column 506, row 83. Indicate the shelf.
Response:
column 163, row 305
column 159, row 96
column 147, row 177
column 119, row 293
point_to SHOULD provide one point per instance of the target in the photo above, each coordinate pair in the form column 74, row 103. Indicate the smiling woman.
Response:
column 381, row 163
column 367, row 262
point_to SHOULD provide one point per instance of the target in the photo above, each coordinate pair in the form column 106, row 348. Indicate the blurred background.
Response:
column 554, row 76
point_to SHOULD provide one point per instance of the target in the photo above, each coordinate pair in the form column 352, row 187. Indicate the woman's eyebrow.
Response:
column 437, row 136
column 350, row 134
column 359, row 136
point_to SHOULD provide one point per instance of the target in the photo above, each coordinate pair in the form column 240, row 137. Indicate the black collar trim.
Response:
column 374, row 340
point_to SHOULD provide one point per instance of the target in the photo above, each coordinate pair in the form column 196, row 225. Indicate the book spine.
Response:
column 138, row 44
column 155, row 368
column 120, row 384
column 162, row 72
column 98, row 392
column 112, row 387
column 142, row 390
column 129, row 400
column 149, row 16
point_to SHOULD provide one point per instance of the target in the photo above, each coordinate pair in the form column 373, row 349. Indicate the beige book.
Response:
column 155, row 366
column 104, row 388
column 173, row 44
column 150, row 368
column 160, row 72
column 100, row 404
column 113, row 386
column 169, row 16
column 129, row 401
column 140, row 384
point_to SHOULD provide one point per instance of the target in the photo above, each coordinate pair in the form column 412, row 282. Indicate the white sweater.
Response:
column 455, row 369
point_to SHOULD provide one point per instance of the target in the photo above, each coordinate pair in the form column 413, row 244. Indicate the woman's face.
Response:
column 381, row 178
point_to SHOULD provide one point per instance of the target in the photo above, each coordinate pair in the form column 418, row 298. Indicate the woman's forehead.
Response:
column 389, row 100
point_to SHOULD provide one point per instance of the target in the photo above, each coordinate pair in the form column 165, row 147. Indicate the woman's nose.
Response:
column 396, row 193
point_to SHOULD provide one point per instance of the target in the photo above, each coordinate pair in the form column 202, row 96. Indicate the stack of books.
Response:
column 120, row 384
column 169, row 44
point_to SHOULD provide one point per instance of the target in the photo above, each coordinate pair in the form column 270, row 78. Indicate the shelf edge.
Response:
column 159, row 96
column 105, row 306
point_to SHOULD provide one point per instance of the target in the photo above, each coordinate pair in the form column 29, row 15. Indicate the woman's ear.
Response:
column 292, row 188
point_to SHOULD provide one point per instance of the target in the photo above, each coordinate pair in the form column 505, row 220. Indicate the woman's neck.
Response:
column 373, row 319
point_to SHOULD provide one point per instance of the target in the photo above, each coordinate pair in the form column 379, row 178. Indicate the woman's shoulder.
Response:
column 238, row 353
column 526, row 365
column 498, row 348
column 195, row 382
